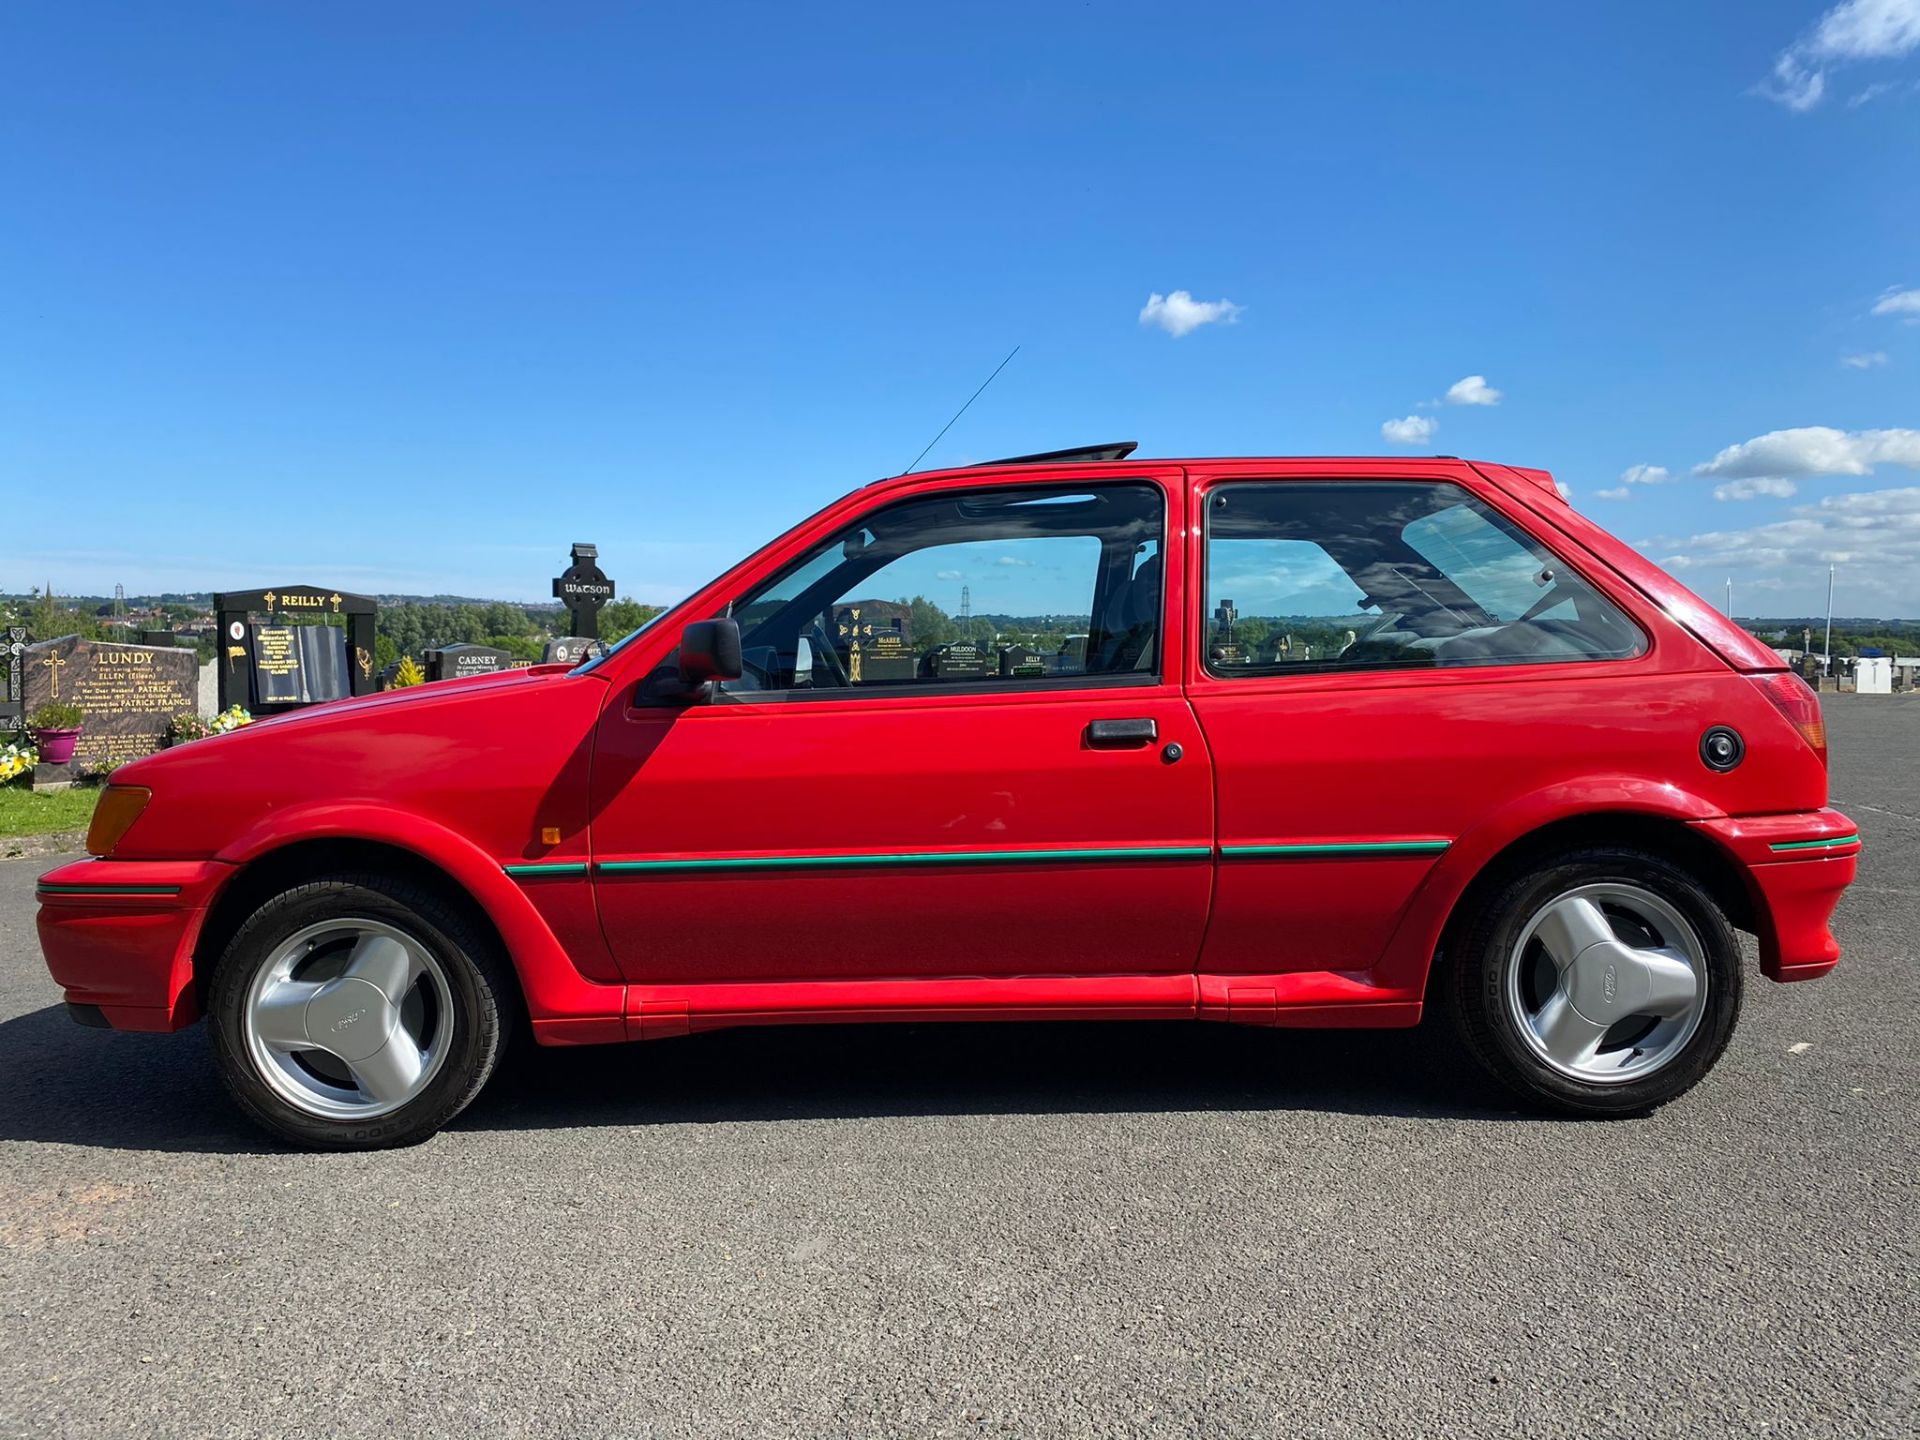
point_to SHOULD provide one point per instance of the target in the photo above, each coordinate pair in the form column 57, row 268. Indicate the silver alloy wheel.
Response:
column 1607, row 983
column 349, row 1019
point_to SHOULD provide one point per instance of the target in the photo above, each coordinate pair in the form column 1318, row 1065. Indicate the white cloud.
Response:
column 1852, row 30
column 1012, row 560
column 949, row 574
column 1411, row 430
column 1644, row 475
column 1815, row 450
column 1619, row 492
column 1871, row 93
column 1866, row 360
column 1753, row 489
column 1874, row 536
column 1473, row 390
column 1180, row 314
column 1904, row 303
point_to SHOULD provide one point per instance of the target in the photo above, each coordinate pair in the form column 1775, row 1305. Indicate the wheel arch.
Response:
column 1639, row 814
column 296, row 844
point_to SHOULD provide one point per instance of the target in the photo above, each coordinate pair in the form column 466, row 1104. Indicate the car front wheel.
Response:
column 358, row 1012
column 1605, row 982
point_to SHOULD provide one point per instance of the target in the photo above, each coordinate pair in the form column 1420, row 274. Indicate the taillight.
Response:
column 1794, row 698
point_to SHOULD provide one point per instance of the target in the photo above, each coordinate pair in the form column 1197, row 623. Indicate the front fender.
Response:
column 1410, row 952
column 562, row 1003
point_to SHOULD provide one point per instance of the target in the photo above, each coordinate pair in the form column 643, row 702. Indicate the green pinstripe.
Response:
column 1352, row 847
column 108, row 889
column 930, row 857
column 1828, row 843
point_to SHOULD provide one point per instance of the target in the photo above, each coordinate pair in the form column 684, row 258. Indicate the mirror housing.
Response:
column 709, row 653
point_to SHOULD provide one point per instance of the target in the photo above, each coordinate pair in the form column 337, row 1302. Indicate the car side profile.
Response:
column 1279, row 742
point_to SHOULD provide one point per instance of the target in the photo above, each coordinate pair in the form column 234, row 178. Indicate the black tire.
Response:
column 480, row 981
column 1474, row 982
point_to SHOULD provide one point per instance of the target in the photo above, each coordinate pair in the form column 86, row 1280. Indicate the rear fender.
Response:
column 1409, row 954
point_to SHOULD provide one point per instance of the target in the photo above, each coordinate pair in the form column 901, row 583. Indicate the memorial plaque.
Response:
column 128, row 694
column 454, row 662
column 961, row 660
column 278, row 677
column 323, row 662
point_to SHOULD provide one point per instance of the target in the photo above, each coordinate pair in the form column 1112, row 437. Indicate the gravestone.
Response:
column 875, row 642
column 1018, row 662
column 128, row 694
column 13, row 703
column 455, row 662
column 584, row 589
column 332, row 663
column 961, row 660
column 571, row 650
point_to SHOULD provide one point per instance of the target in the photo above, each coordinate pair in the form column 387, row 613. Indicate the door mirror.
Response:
column 709, row 650
column 709, row 653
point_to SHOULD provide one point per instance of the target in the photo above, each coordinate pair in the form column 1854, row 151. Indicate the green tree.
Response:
column 620, row 618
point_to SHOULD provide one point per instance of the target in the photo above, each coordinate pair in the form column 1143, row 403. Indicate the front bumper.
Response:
column 119, row 935
column 1796, row 867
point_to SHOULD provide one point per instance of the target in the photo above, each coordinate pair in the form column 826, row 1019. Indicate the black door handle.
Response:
column 1121, row 734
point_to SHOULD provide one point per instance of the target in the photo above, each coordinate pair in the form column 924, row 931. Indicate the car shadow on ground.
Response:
column 64, row 1084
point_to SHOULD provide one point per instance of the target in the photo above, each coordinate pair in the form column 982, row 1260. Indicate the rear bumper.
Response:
column 118, row 936
column 1796, row 868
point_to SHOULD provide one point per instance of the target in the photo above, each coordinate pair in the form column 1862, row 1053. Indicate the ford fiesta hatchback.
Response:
column 1269, row 742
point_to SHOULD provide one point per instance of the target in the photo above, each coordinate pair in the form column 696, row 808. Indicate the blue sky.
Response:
column 407, row 298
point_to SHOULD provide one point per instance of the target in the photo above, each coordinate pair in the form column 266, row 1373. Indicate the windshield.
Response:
column 589, row 665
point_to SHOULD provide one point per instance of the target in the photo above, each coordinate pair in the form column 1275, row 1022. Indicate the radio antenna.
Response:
column 962, row 410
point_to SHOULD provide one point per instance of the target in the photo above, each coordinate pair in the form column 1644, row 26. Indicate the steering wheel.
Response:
column 817, row 638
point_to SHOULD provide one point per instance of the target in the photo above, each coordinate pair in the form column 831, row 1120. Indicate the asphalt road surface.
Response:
column 1051, row 1230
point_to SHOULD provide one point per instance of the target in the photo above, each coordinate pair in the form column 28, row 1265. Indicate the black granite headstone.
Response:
column 454, row 662
column 960, row 660
column 584, row 589
column 571, row 650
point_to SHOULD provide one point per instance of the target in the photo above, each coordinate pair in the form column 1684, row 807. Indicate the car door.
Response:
column 1384, row 659
column 960, row 749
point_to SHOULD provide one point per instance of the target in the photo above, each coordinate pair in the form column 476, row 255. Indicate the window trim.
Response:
column 1207, row 489
column 1165, row 540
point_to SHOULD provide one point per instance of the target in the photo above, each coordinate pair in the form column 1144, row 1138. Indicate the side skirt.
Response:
column 1314, row 999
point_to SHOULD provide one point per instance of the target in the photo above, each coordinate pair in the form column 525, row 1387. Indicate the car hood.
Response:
column 416, row 698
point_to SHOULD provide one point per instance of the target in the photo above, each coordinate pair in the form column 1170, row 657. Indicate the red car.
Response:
column 1273, row 742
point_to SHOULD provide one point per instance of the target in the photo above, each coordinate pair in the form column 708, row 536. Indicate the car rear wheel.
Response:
column 1605, row 982
column 358, row 1012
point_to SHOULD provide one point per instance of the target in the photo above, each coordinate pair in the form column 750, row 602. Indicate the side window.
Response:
column 1379, row 575
column 965, row 588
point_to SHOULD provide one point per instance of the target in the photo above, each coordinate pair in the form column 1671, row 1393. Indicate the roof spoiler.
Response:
column 1543, row 478
column 1119, row 450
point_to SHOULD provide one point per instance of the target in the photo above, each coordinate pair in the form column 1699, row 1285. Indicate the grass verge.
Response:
column 24, row 813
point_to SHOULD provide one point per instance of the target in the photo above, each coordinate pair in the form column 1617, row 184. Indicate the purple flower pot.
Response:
column 56, row 746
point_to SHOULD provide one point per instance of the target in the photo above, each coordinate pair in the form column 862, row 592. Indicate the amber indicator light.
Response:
column 119, row 807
